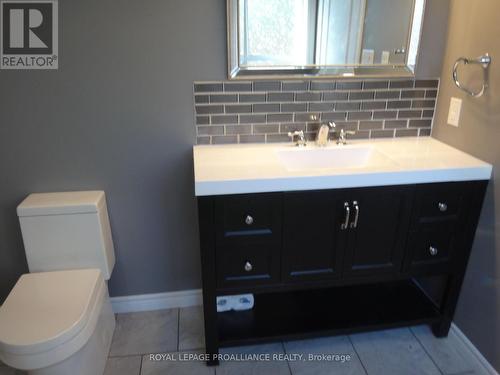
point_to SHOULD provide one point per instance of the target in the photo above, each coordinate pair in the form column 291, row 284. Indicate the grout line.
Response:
column 127, row 355
column 425, row 350
column 287, row 362
column 178, row 327
column 357, row 354
column 320, row 92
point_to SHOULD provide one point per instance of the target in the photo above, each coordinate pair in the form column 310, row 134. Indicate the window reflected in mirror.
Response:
column 311, row 36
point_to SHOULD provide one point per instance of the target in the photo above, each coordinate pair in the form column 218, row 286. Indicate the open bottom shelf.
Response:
column 338, row 310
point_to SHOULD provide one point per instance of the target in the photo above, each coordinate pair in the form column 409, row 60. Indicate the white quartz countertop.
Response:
column 258, row 168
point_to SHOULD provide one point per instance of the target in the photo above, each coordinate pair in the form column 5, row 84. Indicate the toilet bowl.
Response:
column 58, row 319
column 57, row 323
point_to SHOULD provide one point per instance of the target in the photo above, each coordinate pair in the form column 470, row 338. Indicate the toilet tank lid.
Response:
column 64, row 203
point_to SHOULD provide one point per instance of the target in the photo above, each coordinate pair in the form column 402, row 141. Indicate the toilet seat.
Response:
column 49, row 316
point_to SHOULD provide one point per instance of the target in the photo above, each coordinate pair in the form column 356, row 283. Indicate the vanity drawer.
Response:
column 248, row 218
column 247, row 265
column 432, row 244
column 438, row 201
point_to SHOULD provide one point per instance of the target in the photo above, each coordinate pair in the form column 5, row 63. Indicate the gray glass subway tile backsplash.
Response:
column 265, row 111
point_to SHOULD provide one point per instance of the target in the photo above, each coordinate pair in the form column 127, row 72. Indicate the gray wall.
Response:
column 118, row 116
column 433, row 42
column 474, row 30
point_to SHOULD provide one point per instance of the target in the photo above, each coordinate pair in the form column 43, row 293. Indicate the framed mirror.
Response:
column 323, row 38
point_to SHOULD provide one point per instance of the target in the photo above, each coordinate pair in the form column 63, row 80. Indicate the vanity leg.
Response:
column 442, row 328
column 211, row 339
column 208, row 273
column 455, row 280
column 213, row 362
column 448, row 306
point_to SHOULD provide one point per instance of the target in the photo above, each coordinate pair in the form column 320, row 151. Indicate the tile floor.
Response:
column 405, row 351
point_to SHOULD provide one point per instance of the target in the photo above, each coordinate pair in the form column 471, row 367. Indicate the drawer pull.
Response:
column 354, row 224
column 249, row 220
column 347, row 211
column 443, row 207
column 248, row 266
column 433, row 251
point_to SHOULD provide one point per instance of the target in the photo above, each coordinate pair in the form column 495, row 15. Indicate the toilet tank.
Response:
column 63, row 231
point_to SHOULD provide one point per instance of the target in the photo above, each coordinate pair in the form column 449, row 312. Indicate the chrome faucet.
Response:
column 323, row 132
column 342, row 138
column 301, row 139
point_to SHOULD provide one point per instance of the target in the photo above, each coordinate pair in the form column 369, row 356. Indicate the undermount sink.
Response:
column 337, row 157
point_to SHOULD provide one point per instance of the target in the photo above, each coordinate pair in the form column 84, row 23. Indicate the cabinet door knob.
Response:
column 443, row 207
column 433, row 251
column 248, row 266
column 249, row 220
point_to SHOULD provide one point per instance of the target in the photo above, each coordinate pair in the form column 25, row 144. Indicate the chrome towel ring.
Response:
column 485, row 61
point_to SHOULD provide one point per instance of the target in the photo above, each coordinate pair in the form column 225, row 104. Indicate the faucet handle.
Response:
column 343, row 136
column 298, row 133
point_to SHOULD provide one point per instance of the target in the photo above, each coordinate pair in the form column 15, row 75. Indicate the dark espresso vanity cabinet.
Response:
column 336, row 261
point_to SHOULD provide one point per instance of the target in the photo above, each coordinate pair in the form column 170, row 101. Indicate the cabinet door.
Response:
column 313, row 242
column 377, row 240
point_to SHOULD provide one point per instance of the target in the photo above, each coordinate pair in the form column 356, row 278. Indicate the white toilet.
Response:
column 58, row 319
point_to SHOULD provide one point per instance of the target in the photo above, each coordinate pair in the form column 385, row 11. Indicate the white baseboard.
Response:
column 158, row 301
column 475, row 352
